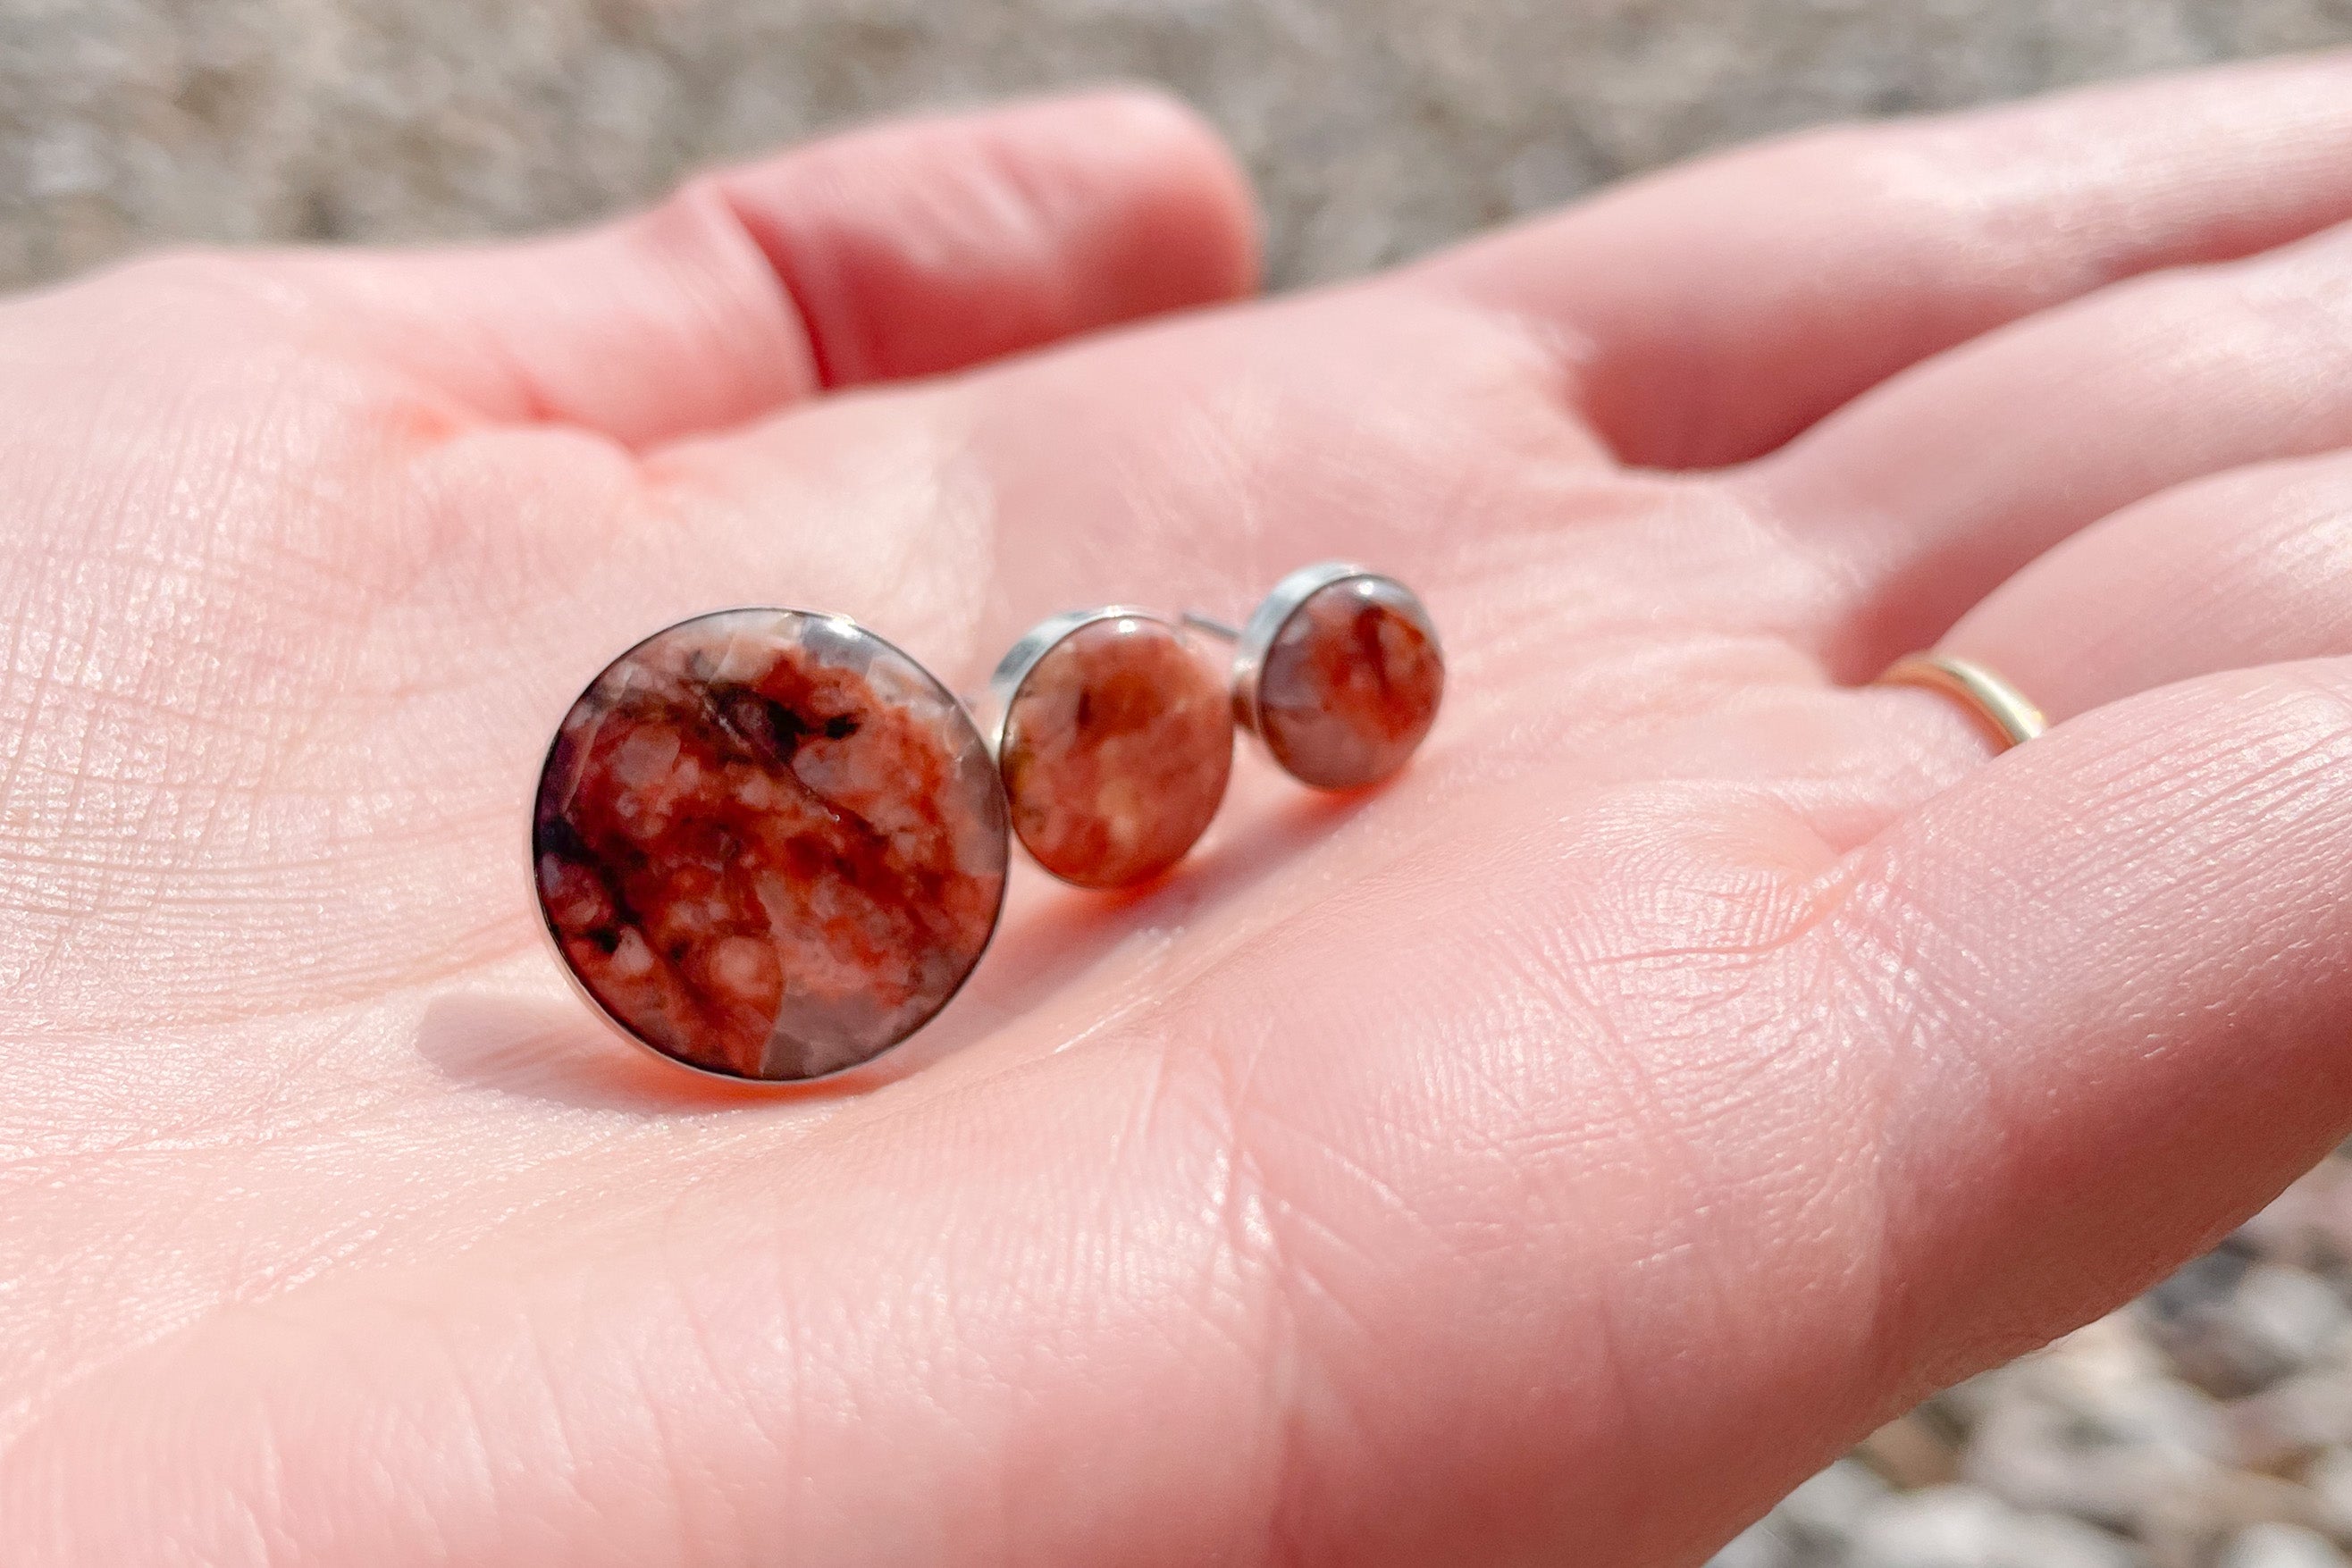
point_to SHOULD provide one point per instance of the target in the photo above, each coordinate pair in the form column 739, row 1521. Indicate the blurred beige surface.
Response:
column 1376, row 128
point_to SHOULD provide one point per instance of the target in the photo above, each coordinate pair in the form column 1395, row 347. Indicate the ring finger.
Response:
column 2245, row 568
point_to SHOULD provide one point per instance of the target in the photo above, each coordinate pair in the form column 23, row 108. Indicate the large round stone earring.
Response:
column 768, row 845
column 1114, row 739
column 1339, row 672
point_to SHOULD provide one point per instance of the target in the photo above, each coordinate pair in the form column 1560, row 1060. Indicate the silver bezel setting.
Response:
column 1021, row 660
column 555, row 945
column 1267, row 622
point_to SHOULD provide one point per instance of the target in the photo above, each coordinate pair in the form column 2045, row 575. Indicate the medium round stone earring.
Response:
column 768, row 845
column 1339, row 672
column 1114, row 740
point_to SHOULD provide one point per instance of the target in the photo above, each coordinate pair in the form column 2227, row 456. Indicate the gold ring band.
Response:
column 2004, row 712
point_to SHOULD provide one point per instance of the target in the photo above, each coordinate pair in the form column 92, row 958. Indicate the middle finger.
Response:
column 1924, row 496
column 2249, row 568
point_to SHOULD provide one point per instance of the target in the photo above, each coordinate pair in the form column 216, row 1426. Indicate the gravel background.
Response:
column 1376, row 128
column 2209, row 1425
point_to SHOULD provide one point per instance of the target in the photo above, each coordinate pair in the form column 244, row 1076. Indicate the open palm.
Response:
column 1692, row 1058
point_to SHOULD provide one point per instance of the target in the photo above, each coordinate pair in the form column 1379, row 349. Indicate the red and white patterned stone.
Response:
column 769, row 844
column 1351, row 683
column 1115, row 751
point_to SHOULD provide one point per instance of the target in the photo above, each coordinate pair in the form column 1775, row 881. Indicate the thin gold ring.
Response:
column 2006, row 713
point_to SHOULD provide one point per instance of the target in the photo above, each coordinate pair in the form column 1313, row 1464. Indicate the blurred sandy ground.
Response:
column 1376, row 128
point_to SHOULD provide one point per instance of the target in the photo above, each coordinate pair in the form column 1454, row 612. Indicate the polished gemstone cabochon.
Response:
column 767, row 845
column 1116, row 748
column 1351, row 683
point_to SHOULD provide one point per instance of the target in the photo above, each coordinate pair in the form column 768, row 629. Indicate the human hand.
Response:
column 1689, row 1062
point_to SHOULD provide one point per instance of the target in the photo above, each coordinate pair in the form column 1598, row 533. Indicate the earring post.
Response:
column 1215, row 628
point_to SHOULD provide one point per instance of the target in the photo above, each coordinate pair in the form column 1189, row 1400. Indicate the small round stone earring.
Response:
column 1114, row 739
column 1339, row 672
column 768, row 845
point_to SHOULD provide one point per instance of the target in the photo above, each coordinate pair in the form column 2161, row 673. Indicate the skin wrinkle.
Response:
column 1716, row 1102
column 1628, row 1419
column 1855, row 1177
column 1601, row 1042
column 1249, row 1220
column 809, row 277
column 1900, row 1327
column 264, row 1544
column 474, row 1429
column 529, row 404
column 729, row 252
column 545, row 542
column 1549, row 364
column 1993, row 1031
column 1574, row 360
column 62, row 1341
column 53, row 676
column 216, row 1130
column 784, row 1430
column 653, row 1396
column 339, row 309
column 444, row 535
column 1231, row 1255
column 1229, row 1205
column 2158, row 774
